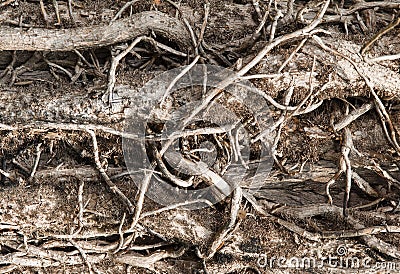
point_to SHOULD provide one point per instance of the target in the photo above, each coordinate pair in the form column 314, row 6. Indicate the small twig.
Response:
column 228, row 154
column 177, row 78
column 10, row 67
column 84, row 256
column 103, row 173
column 228, row 228
column 282, row 107
column 371, row 204
column 268, row 130
column 334, row 179
column 55, row 5
column 70, row 13
column 78, row 71
column 121, row 234
column 94, row 58
column 69, row 74
column 167, row 174
column 159, row 45
column 35, row 165
column 234, row 144
column 4, row 167
column 283, row 118
column 289, row 11
column 20, row 166
column 361, row 23
column 364, row 185
column 149, row 246
column 261, row 25
column 259, row 76
column 346, row 148
column 387, row 124
column 192, row 35
column 204, row 25
column 274, row 24
column 142, row 191
column 360, row 232
column 114, row 63
column 81, row 206
column 127, row 5
column 382, row 173
column 202, row 169
column 250, row 40
column 165, row 47
column 6, row 3
column 256, row 6
column 5, row 174
column 299, row 46
column 352, row 116
column 138, row 260
column 383, row 58
column 191, row 132
column 175, row 206
column 377, row 36
column 363, row 5
column 315, row 237
column 311, row 89
column 344, row 167
column 189, row 28
column 44, row 13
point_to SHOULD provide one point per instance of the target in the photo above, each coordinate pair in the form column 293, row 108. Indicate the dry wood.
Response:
column 40, row 39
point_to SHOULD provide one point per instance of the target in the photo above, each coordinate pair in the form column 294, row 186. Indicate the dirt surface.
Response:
column 329, row 74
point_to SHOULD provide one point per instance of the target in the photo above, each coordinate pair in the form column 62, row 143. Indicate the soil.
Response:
column 59, row 210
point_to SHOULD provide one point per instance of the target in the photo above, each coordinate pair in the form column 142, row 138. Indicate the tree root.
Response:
column 39, row 39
